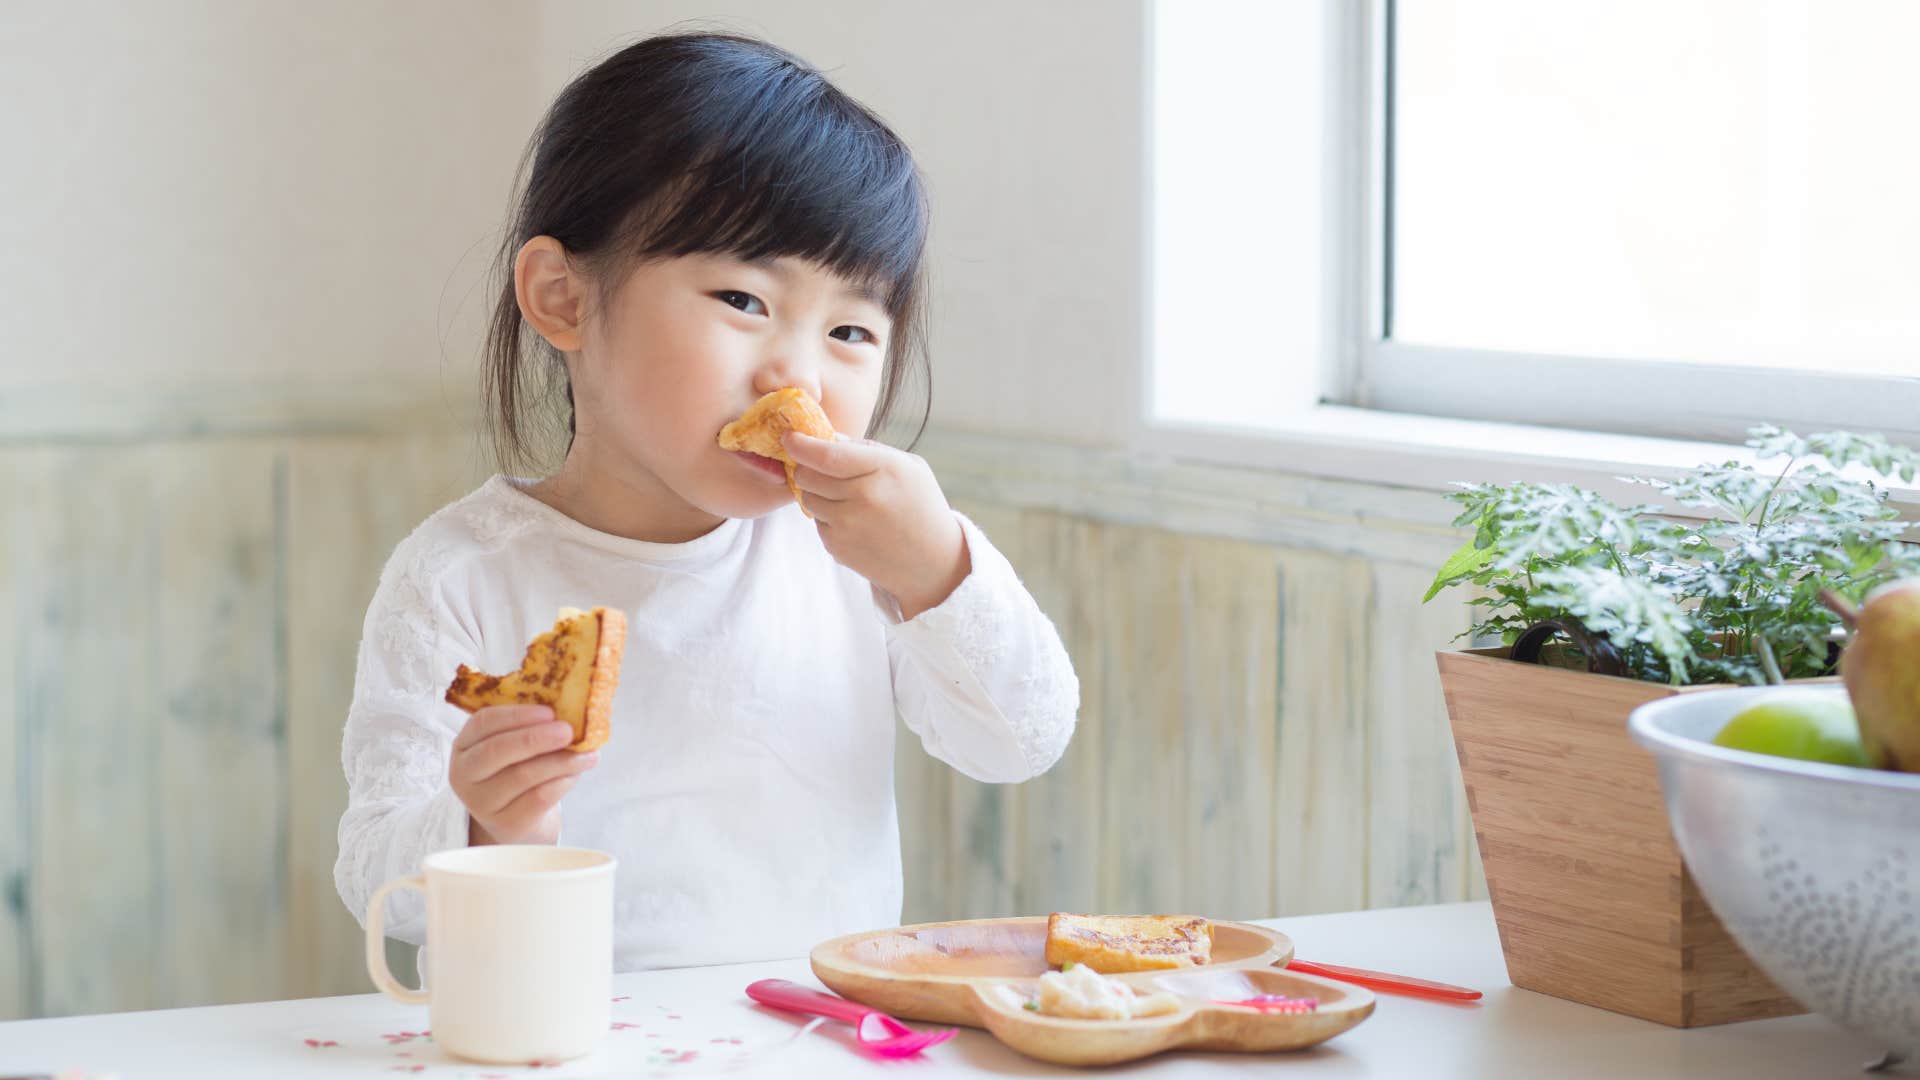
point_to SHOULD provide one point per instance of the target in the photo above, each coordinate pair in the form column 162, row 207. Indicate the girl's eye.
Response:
column 855, row 334
column 740, row 301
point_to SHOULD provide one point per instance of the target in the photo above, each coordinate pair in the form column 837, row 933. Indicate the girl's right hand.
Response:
column 510, row 767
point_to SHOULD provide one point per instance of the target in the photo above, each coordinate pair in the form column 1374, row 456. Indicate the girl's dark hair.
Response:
column 715, row 144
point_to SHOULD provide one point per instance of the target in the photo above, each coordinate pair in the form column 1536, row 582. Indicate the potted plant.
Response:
column 1598, row 608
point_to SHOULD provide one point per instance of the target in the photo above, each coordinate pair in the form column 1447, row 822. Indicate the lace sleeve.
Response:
column 399, row 736
column 983, row 678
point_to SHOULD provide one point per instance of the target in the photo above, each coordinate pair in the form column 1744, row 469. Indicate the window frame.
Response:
column 1661, row 398
column 1366, row 378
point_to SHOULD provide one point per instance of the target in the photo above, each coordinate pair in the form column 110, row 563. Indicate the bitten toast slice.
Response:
column 573, row 668
column 767, row 421
column 1111, row 944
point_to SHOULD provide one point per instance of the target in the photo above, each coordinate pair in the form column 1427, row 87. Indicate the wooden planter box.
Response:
column 1592, row 900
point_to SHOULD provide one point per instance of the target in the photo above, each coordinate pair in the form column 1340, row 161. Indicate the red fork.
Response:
column 1380, row 980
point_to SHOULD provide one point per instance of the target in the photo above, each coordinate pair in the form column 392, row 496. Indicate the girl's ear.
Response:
column 552, row 296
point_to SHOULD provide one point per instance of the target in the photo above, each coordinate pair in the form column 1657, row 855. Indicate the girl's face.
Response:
column 686, row 344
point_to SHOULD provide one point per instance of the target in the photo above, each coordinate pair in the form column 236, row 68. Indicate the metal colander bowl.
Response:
column 1814, row 869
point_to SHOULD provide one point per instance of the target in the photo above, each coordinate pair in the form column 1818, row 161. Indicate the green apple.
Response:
column 1801, row 724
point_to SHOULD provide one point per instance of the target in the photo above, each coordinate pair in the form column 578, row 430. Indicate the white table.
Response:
column 698, row 1022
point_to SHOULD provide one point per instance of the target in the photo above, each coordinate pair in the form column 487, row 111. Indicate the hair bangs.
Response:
column 808, row 179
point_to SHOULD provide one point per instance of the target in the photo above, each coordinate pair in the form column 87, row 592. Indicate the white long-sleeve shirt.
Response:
column 747, row 787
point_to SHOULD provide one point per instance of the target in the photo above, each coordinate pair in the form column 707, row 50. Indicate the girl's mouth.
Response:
column 772, row 467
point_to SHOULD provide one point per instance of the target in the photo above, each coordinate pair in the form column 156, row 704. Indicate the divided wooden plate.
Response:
column 979, row 973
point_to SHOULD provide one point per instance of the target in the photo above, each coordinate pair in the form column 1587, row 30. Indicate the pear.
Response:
column 1881, row 666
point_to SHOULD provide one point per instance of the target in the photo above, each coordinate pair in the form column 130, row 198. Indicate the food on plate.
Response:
column 1118, row 943
column 1080, row 993
column 767, row 421
column 574, row 668
column 1881, row 673
column 1803, row 724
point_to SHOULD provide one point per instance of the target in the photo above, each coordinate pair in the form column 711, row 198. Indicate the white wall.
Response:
column 235, row 192
column 205, row 193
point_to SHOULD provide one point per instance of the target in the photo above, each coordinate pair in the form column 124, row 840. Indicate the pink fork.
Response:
column 878, row 1032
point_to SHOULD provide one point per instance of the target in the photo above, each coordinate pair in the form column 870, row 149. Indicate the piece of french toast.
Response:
column 1111, row 944
column 573, row 668
column 767, row 421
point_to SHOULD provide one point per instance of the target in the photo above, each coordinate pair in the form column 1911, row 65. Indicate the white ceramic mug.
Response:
column 519, row 950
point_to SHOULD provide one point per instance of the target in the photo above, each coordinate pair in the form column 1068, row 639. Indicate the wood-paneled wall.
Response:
column 1261, row 733
column 1261, row 729
column 177, row 654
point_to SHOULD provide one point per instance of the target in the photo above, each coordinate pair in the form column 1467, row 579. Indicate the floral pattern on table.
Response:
column 653, row 1040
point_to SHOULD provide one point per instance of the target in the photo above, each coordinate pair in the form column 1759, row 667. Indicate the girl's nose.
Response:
column 790, row 365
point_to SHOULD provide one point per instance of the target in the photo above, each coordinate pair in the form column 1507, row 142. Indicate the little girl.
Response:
column 705, row 219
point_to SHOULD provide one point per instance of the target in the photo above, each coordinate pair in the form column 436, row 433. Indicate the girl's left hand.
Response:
column 882, row 515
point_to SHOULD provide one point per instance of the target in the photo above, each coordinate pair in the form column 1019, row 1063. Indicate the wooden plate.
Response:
column 980, row 973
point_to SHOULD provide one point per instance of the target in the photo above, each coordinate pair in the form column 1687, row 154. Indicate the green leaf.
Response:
column 1684, row 599
column 1461, row 564
column 1628, row 611
column 1772, row 442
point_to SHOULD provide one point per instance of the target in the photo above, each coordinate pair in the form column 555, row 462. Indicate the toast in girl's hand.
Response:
column 1115, row 943
column 767, row 421
column 572, row 668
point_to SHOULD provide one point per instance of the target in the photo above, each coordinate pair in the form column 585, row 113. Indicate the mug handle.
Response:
column 377, row 942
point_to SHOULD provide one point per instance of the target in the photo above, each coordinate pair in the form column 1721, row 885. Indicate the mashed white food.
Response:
column 1081, row 993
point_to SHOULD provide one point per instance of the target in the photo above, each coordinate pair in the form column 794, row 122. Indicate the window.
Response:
column 1663, row 217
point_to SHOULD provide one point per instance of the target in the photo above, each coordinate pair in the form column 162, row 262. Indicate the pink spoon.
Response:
column 878, row 1032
